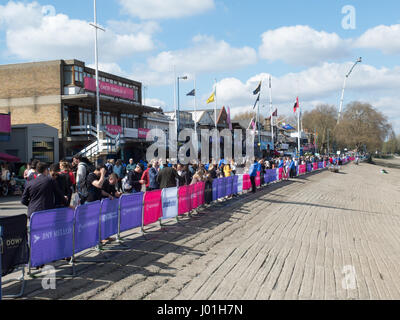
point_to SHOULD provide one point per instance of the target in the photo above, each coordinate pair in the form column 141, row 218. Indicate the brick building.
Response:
column 61, row 94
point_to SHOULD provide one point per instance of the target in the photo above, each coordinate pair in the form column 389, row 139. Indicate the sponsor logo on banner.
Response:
column 170, row 203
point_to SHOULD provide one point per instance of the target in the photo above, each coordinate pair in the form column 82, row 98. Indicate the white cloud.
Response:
column 302, row 45
column 152, row 102
column 164, row 9
column 322, row 84
column 43, row 34
column 206, row 55
column 384, row 38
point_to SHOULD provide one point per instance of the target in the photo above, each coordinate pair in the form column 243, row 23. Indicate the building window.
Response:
column 68, row 76
column 78, row 74
column 128, row 121
column 85, row 117
column 43, row 149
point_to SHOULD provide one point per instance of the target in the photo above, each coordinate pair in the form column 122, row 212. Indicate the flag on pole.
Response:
column 192, row 93
column 258, row 100
column 275, row 114
column 211, row 98
column 257, row 91
column 296, row 105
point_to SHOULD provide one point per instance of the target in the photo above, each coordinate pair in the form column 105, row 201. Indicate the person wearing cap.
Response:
column 135, row 178
column 130, row 167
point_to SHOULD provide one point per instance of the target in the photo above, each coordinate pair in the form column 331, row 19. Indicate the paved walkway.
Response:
column 293, row 240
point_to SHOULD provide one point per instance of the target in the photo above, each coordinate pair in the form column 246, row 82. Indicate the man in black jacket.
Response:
column 40, row 194
column 167, row 177
column 135, row 178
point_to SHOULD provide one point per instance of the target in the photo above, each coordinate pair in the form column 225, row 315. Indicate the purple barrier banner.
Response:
column 131, row 211
column 228, row 189
column 221, row 188
column 320, row 165
column 51, row 236
column 87, row 220
column 215, row 190
column 109, row 218
column 235, row 184
column 309, row 167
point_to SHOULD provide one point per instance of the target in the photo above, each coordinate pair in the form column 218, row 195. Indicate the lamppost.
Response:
column 359, row 60
column 178, row 111
column 96, row 56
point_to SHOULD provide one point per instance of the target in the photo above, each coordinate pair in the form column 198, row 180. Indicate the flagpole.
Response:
column 258, row 121
column 298, row 129
column 175, row 105
column 272, row 118
column 195, row 107
column 215, row 111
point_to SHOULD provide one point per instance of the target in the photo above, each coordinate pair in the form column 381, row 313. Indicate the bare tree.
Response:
column 361, row 126
column 318, row 122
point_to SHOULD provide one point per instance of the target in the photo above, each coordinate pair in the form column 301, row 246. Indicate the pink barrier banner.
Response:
column 315, row 166
column 302, row 169
column 194, row 200
column 152, row 207
column 325, row 164
column 258, row 179
column 200, row 193
column 280, row 175
column 109, row 89
column 246, row 182
column 183, row 200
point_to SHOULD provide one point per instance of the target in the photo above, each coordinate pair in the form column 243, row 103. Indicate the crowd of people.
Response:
column 66, row 184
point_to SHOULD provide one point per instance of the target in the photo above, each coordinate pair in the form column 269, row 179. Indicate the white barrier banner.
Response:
column 170, row 203
column 240, row 183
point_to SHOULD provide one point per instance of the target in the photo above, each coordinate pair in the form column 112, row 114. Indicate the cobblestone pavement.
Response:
column 300, row 239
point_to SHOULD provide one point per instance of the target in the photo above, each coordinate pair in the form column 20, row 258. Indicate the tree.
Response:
column 392, row 145
column 362, row 125
column 318, row 122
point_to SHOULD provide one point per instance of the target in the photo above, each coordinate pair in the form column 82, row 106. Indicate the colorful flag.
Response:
column 211, row 98
column 296, row 105
column 257, row 91
column 192, row 93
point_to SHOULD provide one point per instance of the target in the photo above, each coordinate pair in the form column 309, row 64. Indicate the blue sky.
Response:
column 301, row 44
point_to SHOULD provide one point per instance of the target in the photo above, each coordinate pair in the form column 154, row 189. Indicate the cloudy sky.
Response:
column 307, row 46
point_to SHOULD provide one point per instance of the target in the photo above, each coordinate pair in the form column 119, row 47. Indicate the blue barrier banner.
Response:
column 309, row 167
column 240, row 184
column 131, row 211
column 51, row 236
column 1, row 270
column 87, row 220
column 320, row 165
column 109, row 218
column 215, row 190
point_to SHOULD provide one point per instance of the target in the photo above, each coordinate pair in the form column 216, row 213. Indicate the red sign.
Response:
column 109, row 89
column 114, row 130
column 5, row 123
column 143, row 133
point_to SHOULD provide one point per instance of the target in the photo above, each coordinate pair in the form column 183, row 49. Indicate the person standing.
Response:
column 64, row 187
column 135, row 178
column 95, row 181
column 81, row 176
column 167, row 177
column 118, row 170
column 40, row 193
column 130, row 166
column 253, row 175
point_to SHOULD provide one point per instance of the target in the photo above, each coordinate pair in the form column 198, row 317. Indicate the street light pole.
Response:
column 96, row 56
column 359, row 60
